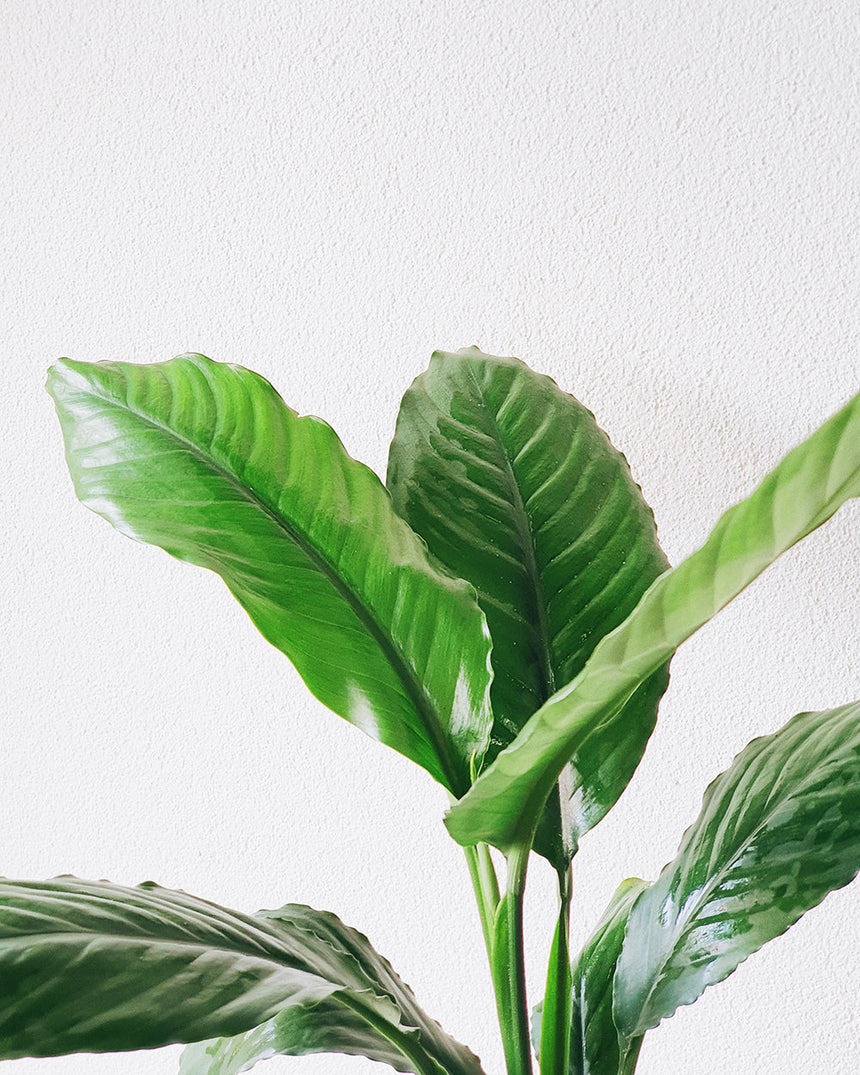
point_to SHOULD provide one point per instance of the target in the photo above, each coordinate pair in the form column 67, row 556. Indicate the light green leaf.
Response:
column 208, row 462
column 594, row 1045
column 778, row 831
column 802, row 492
column 329, row 1026
column 514, row 487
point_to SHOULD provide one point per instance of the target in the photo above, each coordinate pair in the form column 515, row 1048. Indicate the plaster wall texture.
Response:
column 655, row 202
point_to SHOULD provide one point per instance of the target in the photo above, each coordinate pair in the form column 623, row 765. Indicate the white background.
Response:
column 657, row 203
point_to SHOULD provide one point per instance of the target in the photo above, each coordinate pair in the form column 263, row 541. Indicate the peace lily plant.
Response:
column 501, row 613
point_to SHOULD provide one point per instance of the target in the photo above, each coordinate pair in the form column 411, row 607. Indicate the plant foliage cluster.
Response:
column 501, row 613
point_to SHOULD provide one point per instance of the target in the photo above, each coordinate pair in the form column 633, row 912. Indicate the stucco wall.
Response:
column 657, row 203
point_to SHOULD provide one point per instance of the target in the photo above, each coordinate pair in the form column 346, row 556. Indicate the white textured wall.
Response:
column 655, row 202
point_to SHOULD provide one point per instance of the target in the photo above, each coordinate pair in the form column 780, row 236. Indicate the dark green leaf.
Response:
column 329, row 1026
column 802, row 492
column 515, row 488
column 777, row 832
column 208, row 462
column 97, row 967
column 594, row 1045
column 94, row 967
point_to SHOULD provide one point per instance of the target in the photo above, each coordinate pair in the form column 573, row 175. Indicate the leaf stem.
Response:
column 630, row 1056
column 509, row 975
column 555, row 1023
column 486, row 887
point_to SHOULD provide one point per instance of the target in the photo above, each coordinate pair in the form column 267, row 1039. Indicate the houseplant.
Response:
column 520, row 661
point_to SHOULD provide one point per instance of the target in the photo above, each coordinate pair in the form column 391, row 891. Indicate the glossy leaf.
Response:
column 206, row 461
column 95, row 967
column 514, row 487
column 802, row 492
column 594, row 1045
column 327, row 1025
column 778, row 831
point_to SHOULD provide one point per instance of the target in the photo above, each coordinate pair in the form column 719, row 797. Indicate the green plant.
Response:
column 529, row 691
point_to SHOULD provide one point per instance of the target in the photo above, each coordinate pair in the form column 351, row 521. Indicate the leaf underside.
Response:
column 777, row 831
column 206, row 461
column 802, row 492
column 515, row 488
column 324, row 1027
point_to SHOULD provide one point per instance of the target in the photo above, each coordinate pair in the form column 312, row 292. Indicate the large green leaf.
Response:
column 802, row 492
column 95, row 967
column 327, row 1026
column 778, row 831
column 514, row 487
column 208, row 462
column 594, row 1045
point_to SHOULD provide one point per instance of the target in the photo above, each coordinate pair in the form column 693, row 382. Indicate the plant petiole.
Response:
column 555, row 1023
column 508, row 962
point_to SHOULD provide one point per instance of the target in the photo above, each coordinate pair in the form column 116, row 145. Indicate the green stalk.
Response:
column 630, row 1056
column 555, row 1022
column 502, row 926
column 509, row 977
column 484, row 882
column 486, row 889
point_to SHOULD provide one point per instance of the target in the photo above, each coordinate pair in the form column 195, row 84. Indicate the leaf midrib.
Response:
column 84, row 934
column 125, row 940
column 427, row 713
column 522, row 522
